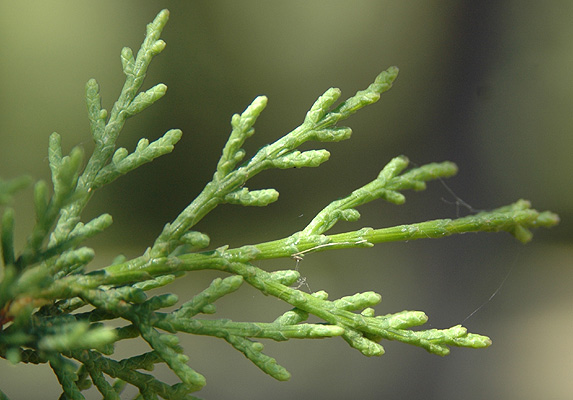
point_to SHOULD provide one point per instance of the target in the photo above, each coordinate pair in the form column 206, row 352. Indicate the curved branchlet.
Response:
column 386, row 186
column 243, row 129
column 53, row 311
column 101, row 168
column 363, row 330
column 123, row 162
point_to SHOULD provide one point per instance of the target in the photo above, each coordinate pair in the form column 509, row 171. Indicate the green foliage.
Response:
column 45, row 284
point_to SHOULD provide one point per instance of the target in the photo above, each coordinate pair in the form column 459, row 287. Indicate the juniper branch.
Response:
column 44, row 285
column 227, row 184
column 517, row 219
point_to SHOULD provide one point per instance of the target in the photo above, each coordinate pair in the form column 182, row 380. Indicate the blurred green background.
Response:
column 488, row 85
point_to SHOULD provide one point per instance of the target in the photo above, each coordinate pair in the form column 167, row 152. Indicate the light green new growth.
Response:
column 45, row 284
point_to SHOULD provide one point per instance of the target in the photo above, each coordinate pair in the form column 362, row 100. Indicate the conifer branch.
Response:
column 45, row 287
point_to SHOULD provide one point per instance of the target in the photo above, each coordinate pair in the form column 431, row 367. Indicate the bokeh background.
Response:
column 488, row 85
